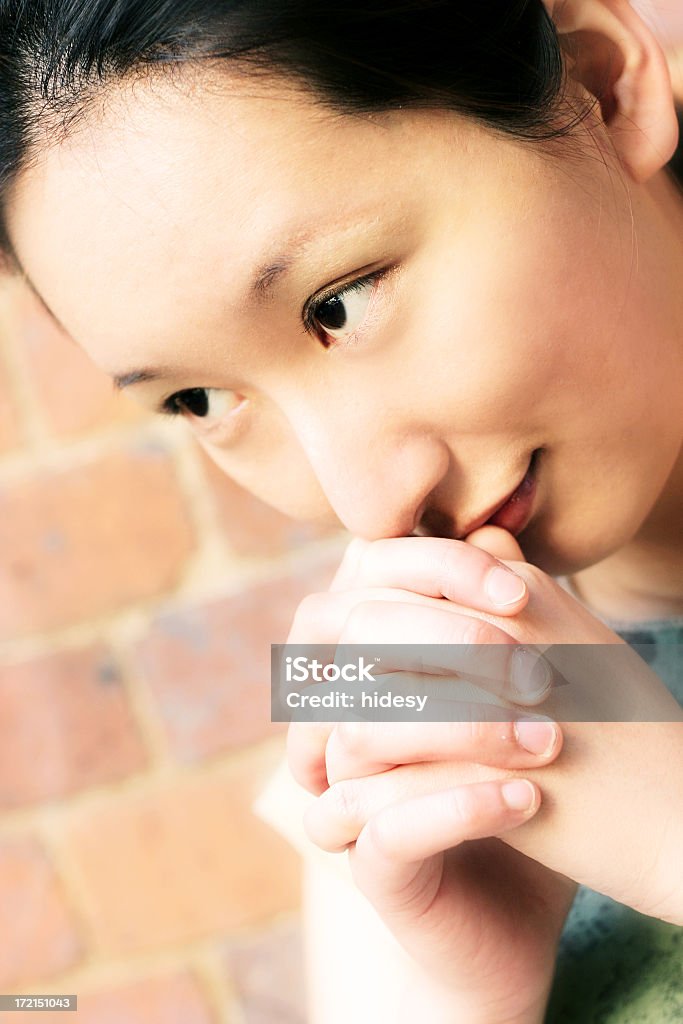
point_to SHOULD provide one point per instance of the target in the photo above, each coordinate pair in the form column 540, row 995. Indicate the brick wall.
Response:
column 139, row 592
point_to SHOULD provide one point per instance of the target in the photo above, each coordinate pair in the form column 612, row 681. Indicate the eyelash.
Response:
column 170, row 406
column 313, row 306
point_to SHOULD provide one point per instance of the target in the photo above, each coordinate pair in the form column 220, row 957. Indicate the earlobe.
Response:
column 613, row 45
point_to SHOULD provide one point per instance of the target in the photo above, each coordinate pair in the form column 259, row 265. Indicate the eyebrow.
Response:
column 262, row 285
column 268, row 275
column 124, row 380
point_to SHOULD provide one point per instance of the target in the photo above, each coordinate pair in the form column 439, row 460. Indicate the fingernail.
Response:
column 504, row 587
column 530, row 673
column 519, row 794
column 538, row 737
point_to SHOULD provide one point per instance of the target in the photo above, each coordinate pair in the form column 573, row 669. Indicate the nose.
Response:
column 377, row 471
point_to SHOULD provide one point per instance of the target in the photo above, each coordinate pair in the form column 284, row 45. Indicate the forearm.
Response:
column 422, row 999
column 640, row 809
column 357, row 971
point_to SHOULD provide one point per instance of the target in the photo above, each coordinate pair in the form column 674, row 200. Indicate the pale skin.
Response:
column 398, row 796
column 420, row 417
column 396, row 839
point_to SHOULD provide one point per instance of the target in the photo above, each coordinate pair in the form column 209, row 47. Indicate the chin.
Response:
column 559, row 557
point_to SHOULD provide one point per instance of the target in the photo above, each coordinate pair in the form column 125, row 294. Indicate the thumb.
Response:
column 497, row 542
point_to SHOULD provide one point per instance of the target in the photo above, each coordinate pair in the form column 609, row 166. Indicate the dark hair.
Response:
column 499, row 61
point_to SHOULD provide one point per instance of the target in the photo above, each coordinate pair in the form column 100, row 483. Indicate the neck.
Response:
column 644, row 578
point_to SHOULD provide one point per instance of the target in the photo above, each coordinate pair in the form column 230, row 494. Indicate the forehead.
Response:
column 166, row 190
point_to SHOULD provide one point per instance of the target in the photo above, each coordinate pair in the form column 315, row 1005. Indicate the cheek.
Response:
column 510, row 314
column 528, row 291
column 527, row 330
column 281, row 477
column 493, row 356
column 610, row 451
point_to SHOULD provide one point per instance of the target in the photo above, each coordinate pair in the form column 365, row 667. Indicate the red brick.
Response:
column 267, row 969
column 73, row 395
column 250, row 526
column 209, row 667
column 65, row 724
column 89, row 540
column 187, row 861
column 38, row 937
column 162, row 999
column 166, row 999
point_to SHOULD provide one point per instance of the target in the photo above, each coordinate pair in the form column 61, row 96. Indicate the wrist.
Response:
column 439, row 1004
column 534, row 1014
column 662, row 895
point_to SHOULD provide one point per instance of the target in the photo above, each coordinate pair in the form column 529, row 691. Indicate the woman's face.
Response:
column 494, row 306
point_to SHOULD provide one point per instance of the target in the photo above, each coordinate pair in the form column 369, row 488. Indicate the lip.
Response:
column 514, row 510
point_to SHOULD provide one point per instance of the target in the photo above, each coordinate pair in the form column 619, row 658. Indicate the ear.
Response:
column 618, row 59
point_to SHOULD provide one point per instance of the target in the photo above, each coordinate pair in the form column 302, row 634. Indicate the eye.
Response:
column 203, row 403
column 339, row 314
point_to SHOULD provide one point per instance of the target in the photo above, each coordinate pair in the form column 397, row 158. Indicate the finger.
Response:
column 435, row 567
column 315, row 764
column 446, row 642
column 498, row 542
column 320, row 617
column 338, row 816
column 306, row 743
column 359, row 749
column 346, row 573
column 390, row 851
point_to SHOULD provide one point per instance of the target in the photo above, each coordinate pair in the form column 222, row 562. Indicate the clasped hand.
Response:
column 542, row 804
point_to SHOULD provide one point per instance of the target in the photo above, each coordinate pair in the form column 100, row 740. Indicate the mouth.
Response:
column 514, row 511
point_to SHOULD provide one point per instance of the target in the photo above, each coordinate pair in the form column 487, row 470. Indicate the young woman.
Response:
column 396, row 263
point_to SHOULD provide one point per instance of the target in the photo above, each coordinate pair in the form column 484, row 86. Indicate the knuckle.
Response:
column 372, row 557
column 480, row 631
column 469, row 634
column 355, row 738
column 309, row 607
column 304, row 758
column 455, row 561
column 358, row 547
column 344, row 800
column 476, row 733
column 359, row 622
column 446, row 565
column 377, row 844
column 531, row 574
column 464, row 806
column 379, row 836
column 491, row 634
column 351, row 561
column 318, row 831
column 486, row 734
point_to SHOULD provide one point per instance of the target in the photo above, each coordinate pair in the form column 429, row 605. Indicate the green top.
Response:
column 614, row 965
